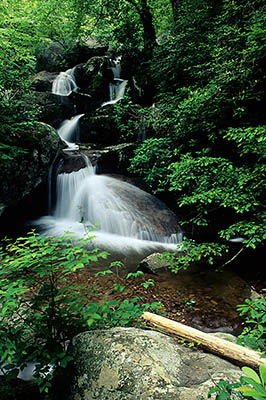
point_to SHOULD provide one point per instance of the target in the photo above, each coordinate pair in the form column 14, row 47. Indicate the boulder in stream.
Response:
column 135, row 364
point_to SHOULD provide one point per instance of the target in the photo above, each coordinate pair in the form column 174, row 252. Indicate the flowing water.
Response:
column 65, row 83
column 68, row 131
column 117, row 86
column 119, row 212
column 117, row 209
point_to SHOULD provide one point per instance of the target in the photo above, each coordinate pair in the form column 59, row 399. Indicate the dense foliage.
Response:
column 209, row 133
column 201, row 68
column 42, row 308
column 204, row 77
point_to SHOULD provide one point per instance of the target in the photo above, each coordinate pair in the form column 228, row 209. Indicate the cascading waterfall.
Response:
column 65, row 83
column 117, row 86
column 113, row 208
column 85, row 200
column 68, row 130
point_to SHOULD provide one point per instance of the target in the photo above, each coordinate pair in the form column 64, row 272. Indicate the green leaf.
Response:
column 96, row 316
column 252, row 374
column 222, row 396
column 262, row 370
column 247, row 391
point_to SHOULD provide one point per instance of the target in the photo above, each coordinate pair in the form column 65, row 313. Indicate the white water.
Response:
column 117, row 86
column 67, row 131
column 117, row 91
column 64, row 83
column 85, row 200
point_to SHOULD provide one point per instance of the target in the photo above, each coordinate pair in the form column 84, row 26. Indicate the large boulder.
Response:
column 134, row 364
column 51, row 57
column 42, row 144
column 53, row 109
column 93, row 78
column 43, row 81
column 56, row 56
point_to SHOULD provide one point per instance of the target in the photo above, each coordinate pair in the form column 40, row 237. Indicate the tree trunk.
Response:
column 149, row 34
column 174, row 5
column 214, row 344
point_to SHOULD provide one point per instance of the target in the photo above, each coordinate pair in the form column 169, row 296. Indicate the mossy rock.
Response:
column 40, row 145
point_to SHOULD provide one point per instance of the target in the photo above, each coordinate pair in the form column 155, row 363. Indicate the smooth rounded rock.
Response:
column 136, row 364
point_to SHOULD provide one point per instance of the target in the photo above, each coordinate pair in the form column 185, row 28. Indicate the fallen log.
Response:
column 212, row 343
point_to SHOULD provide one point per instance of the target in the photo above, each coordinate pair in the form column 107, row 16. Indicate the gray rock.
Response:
column 225, row 336
column 51, row 57
column 154, row 263
column 135, row 364
column 53, row 109
column 110, row 159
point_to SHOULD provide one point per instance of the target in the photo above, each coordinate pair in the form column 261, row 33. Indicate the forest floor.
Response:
column 199, row 297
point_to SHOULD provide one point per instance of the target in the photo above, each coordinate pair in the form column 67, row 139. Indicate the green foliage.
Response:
column 150, row 161
column 255, row 386
column 254, row 333
column 257, row 383
column 208, row 139
column 136, row 274
column 149, row 282
column 113, row 313
column 41, row 309
column 225, row 391
column 128, row 118
column 192, row 253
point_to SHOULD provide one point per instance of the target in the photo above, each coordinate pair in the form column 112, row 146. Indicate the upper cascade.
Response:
column 117, row 86
column 65, row 83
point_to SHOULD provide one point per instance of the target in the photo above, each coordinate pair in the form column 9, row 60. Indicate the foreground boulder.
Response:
column 135, row 364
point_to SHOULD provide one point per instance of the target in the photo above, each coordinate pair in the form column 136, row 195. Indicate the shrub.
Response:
column 41, row 309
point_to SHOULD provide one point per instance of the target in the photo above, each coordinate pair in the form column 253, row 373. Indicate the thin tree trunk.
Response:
column 174, row 5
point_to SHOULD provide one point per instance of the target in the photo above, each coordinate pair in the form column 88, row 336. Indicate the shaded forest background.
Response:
column 201, row 67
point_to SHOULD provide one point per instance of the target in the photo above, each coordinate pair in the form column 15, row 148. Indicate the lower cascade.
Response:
column 127, row 221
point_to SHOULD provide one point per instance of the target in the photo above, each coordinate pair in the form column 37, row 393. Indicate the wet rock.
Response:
column 17, row 389
column 53, row 109
column 43, row 81
column 72, row 161
column 154, row 263
column 28, row 170
column 93, row 78
column 99, row 127
column 56, row 57
column 148, row 209
column 129, row 363
column 110, row 159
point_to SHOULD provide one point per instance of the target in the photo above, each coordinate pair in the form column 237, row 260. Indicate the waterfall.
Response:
column 126, row 221
column 68, row 131
column 117, row 86
column 119, row 211
column 65, row 83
